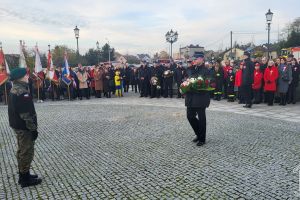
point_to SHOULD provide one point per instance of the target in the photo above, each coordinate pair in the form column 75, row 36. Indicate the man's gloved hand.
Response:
column 34, row 135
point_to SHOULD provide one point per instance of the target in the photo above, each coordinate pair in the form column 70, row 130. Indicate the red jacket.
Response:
column 91, row 73
column 238, row 78
column 270, row 77
column 257, row 83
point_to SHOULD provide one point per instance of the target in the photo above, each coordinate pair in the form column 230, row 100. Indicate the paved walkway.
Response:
column 136, row 148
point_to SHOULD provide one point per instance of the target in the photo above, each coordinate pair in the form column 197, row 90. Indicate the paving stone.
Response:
column 137, row 148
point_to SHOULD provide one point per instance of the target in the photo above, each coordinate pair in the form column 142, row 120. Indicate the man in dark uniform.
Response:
column 155, row 80
column 247, row 79
column 144, row 79
column 22, row 118
column 197, row 103
column 168, row 81
column 179, row 76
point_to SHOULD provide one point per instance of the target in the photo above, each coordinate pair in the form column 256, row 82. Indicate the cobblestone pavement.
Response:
column 133, row 148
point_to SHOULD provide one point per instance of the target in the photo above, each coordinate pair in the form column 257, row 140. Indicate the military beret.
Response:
column 17, row 73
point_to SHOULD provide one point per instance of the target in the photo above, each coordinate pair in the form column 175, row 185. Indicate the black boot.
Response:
column 195, row 139
column 27, row 181
column 31, row 176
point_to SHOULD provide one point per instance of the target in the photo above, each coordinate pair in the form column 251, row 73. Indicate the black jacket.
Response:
column 179, row 75
column 21, row 111
column 247, row 73
column 199, row 99
column 296, row 73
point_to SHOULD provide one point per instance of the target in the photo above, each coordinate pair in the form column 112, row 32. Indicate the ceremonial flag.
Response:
column 49, row 60
column 50, row 69
column 22, row 60
column 3, row 71
column 66, row 72
column 7, row 67
column 38, row 69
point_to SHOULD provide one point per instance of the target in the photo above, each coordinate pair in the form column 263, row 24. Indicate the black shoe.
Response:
column 247, row 106
column 195, row 139
column 27, row 181
column 200, row 144
column 30, row 175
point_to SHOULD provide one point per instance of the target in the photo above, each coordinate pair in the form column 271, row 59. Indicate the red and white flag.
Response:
column 38, row 69
column 3, row 68
column 50, row 69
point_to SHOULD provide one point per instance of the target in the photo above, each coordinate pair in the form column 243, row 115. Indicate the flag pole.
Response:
column 5, row 90
column 38, row 90
column 69, row 92
column 38, row 86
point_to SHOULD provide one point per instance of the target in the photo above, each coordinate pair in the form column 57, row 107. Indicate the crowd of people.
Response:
column 251, row 81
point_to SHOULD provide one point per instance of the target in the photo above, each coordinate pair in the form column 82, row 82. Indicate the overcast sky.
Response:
column 139, row 26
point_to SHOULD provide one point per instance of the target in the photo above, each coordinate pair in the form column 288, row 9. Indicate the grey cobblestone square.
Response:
column 133, row 148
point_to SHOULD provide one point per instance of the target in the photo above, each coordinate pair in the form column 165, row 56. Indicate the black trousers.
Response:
column 154, row 91
column 257, row 96
column 197, row 119
column 144, row 88
column 168, row 88
column 246, row 92
column 84, row 92
column 269, row 97
column 292, row 93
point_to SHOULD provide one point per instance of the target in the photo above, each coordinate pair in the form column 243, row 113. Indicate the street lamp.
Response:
column 98, row 49
column 269, row 16
column 171, row 37
column 76, row 31
column 108, row 51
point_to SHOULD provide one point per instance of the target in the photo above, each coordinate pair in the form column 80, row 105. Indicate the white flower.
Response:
column 200, row 78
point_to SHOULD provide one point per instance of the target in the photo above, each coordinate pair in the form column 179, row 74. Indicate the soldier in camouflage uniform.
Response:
column 22, row 118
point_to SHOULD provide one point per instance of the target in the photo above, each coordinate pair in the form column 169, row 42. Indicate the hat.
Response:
column 247, row 53
column 257, row 64
column 17, row 73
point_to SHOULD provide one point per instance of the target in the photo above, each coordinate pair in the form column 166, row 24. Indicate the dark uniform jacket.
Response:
column 21, row 111
column 295, row 74
column 179, row 75
column 199, row 99
column 247, row 73
column 218, row 78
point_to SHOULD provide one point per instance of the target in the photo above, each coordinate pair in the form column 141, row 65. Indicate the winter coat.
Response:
column 238, row 78
column 82, row 77
column 218, row 78
column 247, row 73
column 179, row 75
column 98, row 77
column 199, row 99
column 270, row 78
column 296, row 73
column 258, row 77
column 285, row 77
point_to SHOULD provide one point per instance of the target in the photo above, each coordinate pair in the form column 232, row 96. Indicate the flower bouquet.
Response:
column 195, row 85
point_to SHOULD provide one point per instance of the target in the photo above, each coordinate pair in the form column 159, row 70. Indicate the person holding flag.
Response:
column 65, row 76
column 39, row 74
column 52, row 75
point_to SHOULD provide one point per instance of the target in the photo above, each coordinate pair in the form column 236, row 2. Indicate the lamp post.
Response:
column 171, row 37
column 98, row 49
column 76, row 31
column 108, row 51
column 269, row 16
